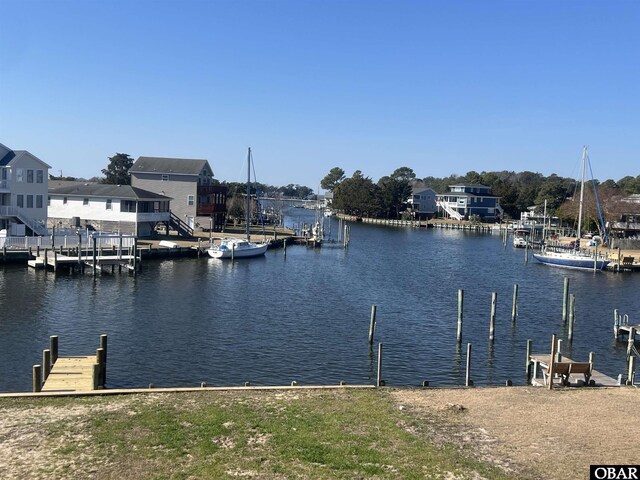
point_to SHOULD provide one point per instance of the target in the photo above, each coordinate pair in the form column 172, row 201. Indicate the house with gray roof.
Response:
column 121, row 209
column 470, row 200
column 23, row 190
column 196, row 199
column 422, row 203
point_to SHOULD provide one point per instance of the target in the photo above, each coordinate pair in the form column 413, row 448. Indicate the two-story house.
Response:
column 23, row 193
column 464, row 201
column 121, row 209
column 190, row 184
column 422, row 203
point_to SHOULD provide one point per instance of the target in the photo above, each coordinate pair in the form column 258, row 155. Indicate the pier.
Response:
column 567, row 372
column 71, row 373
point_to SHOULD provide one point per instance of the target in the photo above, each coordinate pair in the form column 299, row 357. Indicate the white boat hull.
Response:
column 570, row 260
column 242, row 250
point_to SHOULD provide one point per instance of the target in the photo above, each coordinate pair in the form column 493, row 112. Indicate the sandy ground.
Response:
column 539, row 433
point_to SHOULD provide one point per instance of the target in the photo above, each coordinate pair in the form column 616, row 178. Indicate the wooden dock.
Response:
column 71, row 373
column 582, row 373
column 54, row 260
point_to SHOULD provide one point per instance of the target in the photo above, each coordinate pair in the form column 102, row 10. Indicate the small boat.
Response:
column 574, row 258
column 238, row 247
column 520, row 238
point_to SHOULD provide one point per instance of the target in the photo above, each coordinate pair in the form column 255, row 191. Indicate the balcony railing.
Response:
column 210, row 208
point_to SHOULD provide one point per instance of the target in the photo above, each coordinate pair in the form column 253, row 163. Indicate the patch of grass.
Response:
column 297, row 434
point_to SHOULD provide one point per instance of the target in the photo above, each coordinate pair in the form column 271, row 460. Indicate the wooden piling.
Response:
column 94, row 255
column 595, row 259
column 37, row 378
column 572, row 315
column 467, row 377
column 492, row 321
column 46, row 364
column 631, row 370
column 233, row 251
column 528, row 362
column 616, row 323
column 632, row 336
column 103, row 345
column 526, row 251
column 460, row 310
column 284, row 246
column 565, row 297
column 552, row 358
column 559, row 351
column 53, row 347
column 514, row 304
column 96, row 376
column 101, row 360
column 372, row 324
column 379, row 376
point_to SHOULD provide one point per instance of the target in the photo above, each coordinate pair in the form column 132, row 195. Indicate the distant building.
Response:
column 464, row 201
column 119, row 209
column 23, row 192
column 422, row 203
column 189, row 182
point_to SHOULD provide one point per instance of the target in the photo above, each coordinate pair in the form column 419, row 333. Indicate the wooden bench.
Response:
column 627, row 261
column 566, row 369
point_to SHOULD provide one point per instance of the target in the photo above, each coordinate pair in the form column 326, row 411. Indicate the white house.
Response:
column 23, row 192
column 107, row 208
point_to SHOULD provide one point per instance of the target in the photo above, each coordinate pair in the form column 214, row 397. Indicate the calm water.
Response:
column 306, row 317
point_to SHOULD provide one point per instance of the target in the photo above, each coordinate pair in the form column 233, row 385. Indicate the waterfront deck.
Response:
column 541, row 364
column 54, row 260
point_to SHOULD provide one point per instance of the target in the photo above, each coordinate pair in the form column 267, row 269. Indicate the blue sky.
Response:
column 442, row 87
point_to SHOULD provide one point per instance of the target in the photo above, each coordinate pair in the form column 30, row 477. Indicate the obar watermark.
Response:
column 614, row 472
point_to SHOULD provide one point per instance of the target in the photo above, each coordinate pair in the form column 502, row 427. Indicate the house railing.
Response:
column 178, row 225
column 66, row 241
column 447, row 208
column 36, row 226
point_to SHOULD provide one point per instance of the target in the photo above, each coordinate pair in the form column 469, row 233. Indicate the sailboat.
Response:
column 574, row 258
column 239, row 247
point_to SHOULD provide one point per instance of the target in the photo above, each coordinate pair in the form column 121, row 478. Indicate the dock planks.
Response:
column 71, row 374
column 542, row 362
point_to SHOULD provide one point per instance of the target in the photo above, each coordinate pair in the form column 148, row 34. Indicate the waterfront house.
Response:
column 23, row 190
column 422, row 203
column 196, row 200
column 120, row 209
column 468, row 201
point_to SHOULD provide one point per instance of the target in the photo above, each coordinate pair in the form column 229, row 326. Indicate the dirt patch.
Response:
column 545, row 434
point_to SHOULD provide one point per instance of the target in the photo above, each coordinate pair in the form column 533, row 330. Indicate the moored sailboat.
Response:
column 239, row 247
column 575, row 258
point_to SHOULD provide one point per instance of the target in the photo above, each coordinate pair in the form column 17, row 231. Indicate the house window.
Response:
column 29, row 201
column 191, row 200
column 85, row 201
column 48, row 201
column 29, row 176
column 64, row 201
column 165, row 178
column 39, row 176
column 4, row 173
column 108, row 206
column 38, row 201
column 20, row 201
column 19, row 175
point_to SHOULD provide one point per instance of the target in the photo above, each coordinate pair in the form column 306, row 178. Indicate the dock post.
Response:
column 103, row 345
column 552, row 359
column 46, row 364
column 528, row 362
column 199, row 246
column 565, row 297
column 46, row 260
column 55, row 261
column 616, row 323
column 95, row 255
column 37, row 378
column 526, row 252
column 559, row 351
column 572, row 315
column 460, row 309
column 95, row 375
column 467, row 376
column 592, row 359
column 492, row 321
column 284, row 246
column 233, row 251
column 631, row 371
column 379, row 376
column 595, row 259
column 632, row 336
column 372, row 324
column 514, row 305
column 53, row 347
column 100, row 360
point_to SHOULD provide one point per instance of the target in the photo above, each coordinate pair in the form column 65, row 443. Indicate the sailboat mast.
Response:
column 248, row 211
column 584, row 167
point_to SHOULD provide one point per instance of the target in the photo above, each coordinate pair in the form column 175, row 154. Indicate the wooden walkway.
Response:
column 540, row 363
column 54, row 260
column 71, row 374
